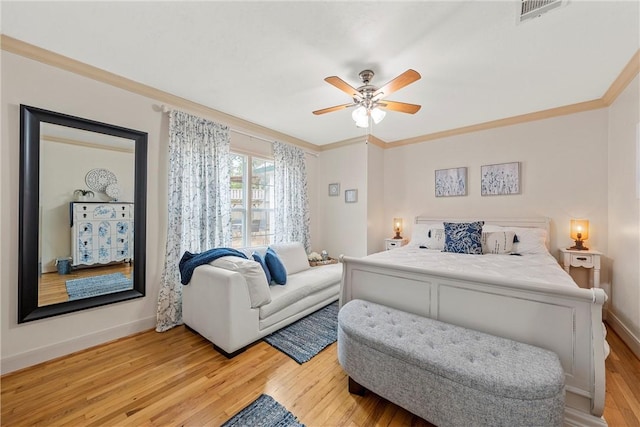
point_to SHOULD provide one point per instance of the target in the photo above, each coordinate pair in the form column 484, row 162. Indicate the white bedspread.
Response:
column 535, row 268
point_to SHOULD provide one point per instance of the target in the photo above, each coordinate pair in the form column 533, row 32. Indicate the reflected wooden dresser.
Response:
column 101, row 232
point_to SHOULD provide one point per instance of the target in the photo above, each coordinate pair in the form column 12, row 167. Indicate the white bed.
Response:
column 528, row 298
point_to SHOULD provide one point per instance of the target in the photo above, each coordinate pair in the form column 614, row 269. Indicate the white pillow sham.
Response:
column 419, row 235
column 529, row 240
column 430, row 235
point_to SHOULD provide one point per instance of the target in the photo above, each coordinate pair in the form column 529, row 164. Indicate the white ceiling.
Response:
column 265, row 61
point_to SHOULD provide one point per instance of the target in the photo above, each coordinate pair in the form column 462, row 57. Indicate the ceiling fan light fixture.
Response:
column 361, row 117
column 362, row 123
column 377, row 115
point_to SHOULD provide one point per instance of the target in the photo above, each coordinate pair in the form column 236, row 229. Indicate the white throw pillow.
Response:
column 253, row 274
column 435, row 237
column 497, row 242
column 529, row 240
column 293, row 256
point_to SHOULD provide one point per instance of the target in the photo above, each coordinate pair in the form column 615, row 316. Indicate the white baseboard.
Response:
column 43, row 354
column 624, row 333
column 575, row 418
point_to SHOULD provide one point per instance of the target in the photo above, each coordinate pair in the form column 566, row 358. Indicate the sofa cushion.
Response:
column 253, row 274
column 276, row 267
column 301, row 285
column 293, row 256
column 260, row 260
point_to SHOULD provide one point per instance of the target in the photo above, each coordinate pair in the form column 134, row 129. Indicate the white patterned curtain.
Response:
column 199, row 202
column 292, row 202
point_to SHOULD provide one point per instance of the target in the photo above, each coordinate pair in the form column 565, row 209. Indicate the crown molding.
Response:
column 48, row 57
column 370, row 139
column 30, row 51
column 509, row 121
column 628, row 73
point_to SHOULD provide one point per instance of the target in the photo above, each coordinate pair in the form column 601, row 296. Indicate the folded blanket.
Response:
column 190, row 261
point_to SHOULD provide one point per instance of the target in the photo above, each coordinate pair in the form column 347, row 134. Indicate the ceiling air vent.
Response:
column 530, row 9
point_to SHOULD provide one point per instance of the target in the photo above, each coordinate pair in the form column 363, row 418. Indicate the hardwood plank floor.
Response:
column 177, row 379
column 52, row 287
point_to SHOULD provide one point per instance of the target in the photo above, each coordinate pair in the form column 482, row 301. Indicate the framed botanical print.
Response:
column 451, row 182
column 500, row 179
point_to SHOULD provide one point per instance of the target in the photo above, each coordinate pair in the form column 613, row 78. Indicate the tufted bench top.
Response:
column 495, row 365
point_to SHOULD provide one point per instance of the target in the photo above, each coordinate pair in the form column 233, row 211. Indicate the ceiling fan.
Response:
column 370, row 100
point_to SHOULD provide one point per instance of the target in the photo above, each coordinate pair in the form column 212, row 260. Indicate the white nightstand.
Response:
column 394, row 243
column 585, row 259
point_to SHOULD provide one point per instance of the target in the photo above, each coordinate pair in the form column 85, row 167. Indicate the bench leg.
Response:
column 356, row 388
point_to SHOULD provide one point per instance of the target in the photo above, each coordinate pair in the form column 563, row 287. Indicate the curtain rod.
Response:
column 167, row 109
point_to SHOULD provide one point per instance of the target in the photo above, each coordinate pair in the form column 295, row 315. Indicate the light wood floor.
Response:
column 52, row 288
column 176, row 379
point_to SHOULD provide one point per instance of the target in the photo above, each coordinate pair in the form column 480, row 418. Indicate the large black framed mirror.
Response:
column 82, row 214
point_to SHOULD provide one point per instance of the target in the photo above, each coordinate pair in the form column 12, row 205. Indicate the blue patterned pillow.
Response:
column 276, row 267
column 257, row 258
column 463, row 237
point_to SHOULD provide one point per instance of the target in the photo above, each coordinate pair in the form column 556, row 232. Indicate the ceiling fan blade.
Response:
column 344, row 86
column 398, row 83
column 330, row 109
column 399, row 106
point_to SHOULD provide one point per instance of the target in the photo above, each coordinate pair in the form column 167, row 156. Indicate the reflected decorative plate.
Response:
column 113, row 191
column 98, row 179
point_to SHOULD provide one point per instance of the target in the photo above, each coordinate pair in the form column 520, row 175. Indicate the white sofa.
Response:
column 230, row 303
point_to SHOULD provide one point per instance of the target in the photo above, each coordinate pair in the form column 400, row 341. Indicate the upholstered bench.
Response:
column 446, row 374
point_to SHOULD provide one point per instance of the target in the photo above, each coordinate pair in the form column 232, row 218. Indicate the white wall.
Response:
column 343, row 225
column 377, row 229
column 624, row 215
column 29, row 82
column 563, row 175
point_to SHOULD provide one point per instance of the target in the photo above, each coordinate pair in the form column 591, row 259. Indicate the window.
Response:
column 252, row 212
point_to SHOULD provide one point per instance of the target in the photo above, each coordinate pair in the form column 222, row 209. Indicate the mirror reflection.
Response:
column 86, row 214
column 82, row 210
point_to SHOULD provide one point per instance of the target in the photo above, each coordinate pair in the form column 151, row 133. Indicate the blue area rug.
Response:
column 263, row 412
column 97, row 285
column 308, row 336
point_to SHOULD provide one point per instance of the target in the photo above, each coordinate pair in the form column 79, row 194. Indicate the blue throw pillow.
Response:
column 463, row 237
column 257, row 258
column 276, row 267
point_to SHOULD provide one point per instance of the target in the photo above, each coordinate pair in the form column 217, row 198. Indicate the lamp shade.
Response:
column 580, row 226
column 377, row 115
column 361, row 117
column 397, row 225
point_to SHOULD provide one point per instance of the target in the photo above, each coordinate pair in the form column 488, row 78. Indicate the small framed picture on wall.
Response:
column 350, row 196
column 334, row 189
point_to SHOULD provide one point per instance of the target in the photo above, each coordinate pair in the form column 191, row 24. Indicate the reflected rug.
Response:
column 265, row 412
column 308, row 336
column 97, row 285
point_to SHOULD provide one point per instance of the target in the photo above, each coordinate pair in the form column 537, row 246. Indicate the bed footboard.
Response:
column 563, row 319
